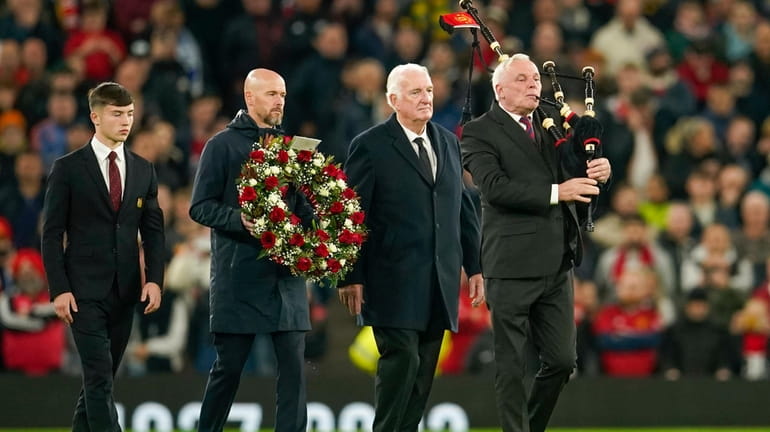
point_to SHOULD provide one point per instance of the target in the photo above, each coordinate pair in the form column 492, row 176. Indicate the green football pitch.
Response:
column 699, row 429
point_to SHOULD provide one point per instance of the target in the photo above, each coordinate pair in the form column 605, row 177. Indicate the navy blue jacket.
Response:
column 248, row 295
column 418, row 230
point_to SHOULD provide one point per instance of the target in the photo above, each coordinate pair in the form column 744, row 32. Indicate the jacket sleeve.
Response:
column 56, row 209
column 360, row 172
column 500, row 188
column 207, row 205
column 151, row 228
column 470, row 227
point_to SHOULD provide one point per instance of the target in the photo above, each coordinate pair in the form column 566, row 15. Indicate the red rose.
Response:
column 287, row 139
column 283, row 190
column 267, row 239
column 358, row 218
column 277, row 214
column 330, row 170
column 304, row 264
column 340, row 175
column 322, row 251
column 257, row 155
column 348, row 193
column 247, row 194
column 333, row 265
column 294, row 220
column 283, row 157
column 297, row 240
column 305, row 156
column 336, row 207
column 271, row 182
column 346, row 237
column 357, row 238
column 322, row 235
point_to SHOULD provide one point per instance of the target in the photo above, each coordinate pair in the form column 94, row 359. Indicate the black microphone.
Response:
column 465, row 4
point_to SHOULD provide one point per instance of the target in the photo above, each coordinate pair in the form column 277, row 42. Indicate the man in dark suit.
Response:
column 422, row 229
column 98, row 199
column 531, row 214
column 248, row 295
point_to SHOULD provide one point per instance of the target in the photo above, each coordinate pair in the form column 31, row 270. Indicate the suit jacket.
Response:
column 86, row 244
column 523, row 234
column 419, row 231
column 248, row 294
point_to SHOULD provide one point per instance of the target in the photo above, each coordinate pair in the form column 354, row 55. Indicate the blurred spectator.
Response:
column 625, row 203
column 374, row 39
column 628, row 332
column 49, row 137
column 201, row 17
column 93, row 49
column 677, row 241
column 749, row 97
column 719, row 110
column 753, row 323
column 635, row 252
column 626, row 38
column 300, row 30
column 674, row 99
column 22, row 203
column 690, row 144
column 132, row 17
column 740, row 148
column 701, row 68
column 33, row 338
column 695, row 346
column 472, row 323
column 33, row 62
column 27, row 19
column 738, row 31
column 10, row 61
column 6, row 249
column 201, row 126
column 312, row 109
column 13, row 141
column 253, row 38
column 654, row 207
column 364, row 102
column 170, row 165
column 760, row 59
column 446, row 110
column 577, row 21
column 752, row 239
column 34, row 92
column 167, row 90
column 731, row 185
column 689, row 26
column 715, row 261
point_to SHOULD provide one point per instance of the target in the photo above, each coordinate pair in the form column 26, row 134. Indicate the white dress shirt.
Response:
column 103, row 157
column 411, row 136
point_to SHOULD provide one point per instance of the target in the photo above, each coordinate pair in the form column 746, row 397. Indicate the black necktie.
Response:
column 422, row 154
column 115, row 186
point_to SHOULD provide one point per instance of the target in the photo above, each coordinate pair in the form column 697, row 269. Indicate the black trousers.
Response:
column 100, row 329
column 225, row 376
column 405, row 372
column 544, row 306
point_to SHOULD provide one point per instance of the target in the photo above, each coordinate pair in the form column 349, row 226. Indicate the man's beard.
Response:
column 273, row 119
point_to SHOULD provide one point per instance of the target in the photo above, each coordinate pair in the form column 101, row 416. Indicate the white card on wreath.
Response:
column 300, row 143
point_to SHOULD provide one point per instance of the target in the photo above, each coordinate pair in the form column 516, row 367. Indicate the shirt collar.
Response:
column 516, row 117
column 411, row 135
column 103, row 152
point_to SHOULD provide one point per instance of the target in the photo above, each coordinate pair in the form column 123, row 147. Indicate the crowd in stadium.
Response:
column 675, row 279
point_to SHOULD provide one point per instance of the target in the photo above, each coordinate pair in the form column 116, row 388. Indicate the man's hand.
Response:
column 574, row 189
column 599, row 170
column 477, row 292
column 151, row 294
column 64, row 304
column 352, row 296
column 248, row 224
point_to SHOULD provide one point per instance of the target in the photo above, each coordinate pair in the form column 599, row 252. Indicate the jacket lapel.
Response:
column 517, row 135
column 404, row 147
column 439, row 146
column 92, row 167
column 130, row 183
column 547, row 148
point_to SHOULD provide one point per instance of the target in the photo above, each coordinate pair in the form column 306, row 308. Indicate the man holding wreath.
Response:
column 249, row 295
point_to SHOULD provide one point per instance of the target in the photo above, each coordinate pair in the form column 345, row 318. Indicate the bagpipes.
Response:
column 582, row 142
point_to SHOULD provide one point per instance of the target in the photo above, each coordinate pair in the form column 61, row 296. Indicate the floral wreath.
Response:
column 329, row 249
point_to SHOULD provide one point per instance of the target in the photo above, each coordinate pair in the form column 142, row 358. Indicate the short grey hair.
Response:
column 497, row 75
column 395, row 78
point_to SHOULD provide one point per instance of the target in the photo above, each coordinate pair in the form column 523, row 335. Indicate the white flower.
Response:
column 343, row 261
column 253, row 182
column 287, row 169
column 322, row 265
column 291, row 153
column 278, row 242
column 325, row 223
column 351, row 207
column 332, row 248
column 275, row 170
column 324, row 191
column 282, row 204
column 341, row 184
column 348, row 223
column 260, row 222
column 288, row 227
column 273, row 198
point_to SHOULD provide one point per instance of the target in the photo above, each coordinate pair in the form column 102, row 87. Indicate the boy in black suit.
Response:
column 99, row 199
